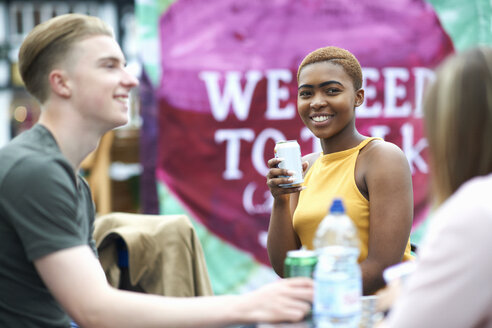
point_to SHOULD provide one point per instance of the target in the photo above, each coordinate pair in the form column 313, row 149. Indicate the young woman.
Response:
column 372, row 176
column 451, row 285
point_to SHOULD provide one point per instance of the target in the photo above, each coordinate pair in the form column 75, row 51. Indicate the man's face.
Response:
column 99, row 82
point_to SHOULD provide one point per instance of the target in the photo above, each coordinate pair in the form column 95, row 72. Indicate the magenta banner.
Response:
column 228, row 92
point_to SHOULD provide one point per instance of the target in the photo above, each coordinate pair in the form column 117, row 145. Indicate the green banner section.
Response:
column 468, row 23
column 147, row 13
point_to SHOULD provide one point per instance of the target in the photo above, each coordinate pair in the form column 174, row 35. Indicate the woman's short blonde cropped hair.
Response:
column 458, row 119
column 336, row 56
column 49, row 43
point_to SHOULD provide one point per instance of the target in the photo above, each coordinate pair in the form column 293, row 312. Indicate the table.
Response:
column 370, row 317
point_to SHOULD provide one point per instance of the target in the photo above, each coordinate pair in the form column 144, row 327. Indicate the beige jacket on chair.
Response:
column 164, row 253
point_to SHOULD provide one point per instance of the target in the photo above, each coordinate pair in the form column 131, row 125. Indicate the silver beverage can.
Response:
column 290, row 151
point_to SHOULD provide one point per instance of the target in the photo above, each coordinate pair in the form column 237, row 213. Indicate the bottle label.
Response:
column 337, row 296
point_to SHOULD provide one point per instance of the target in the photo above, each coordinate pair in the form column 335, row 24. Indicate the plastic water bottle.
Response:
column 337, row 277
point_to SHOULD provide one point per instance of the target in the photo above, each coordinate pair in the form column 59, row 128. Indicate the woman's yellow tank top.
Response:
column 333, row 176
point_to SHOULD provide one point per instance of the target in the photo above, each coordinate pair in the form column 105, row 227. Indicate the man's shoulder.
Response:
column 18, row 157
column 27, row 160
column 31, row 147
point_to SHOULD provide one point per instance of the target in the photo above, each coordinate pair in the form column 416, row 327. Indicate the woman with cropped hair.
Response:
column 371, row 175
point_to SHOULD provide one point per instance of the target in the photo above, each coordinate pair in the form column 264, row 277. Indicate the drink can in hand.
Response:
column 300, row 263
column 290, row 152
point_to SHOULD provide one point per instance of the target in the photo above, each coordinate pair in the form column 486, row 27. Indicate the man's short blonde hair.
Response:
column 337, row 56
column 49, row 43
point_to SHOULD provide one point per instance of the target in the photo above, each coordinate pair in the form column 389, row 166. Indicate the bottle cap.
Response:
column 337, row 206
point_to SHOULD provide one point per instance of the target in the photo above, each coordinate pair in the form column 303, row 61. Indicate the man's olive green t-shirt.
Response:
column 45, row 207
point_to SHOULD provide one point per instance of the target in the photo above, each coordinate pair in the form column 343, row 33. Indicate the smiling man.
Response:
column 49, row 272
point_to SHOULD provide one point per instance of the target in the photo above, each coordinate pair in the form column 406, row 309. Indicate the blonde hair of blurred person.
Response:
column 450, row 286
column 458, row 114
column 75, row 68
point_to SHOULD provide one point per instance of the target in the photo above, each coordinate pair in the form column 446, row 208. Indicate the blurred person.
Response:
column 49, row 272
column 450, row 286
column 372, row 176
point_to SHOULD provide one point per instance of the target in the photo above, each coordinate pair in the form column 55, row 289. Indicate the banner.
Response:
column 228, row 93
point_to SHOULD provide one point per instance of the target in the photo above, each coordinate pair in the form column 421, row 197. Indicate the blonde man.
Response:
column 48, row 268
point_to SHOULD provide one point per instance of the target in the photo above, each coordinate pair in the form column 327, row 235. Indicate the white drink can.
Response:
column 290, row 151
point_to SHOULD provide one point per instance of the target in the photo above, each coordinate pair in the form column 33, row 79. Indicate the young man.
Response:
column 48, row 268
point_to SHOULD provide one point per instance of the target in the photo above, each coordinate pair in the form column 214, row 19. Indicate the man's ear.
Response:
column 59, row 83
column 359, row 97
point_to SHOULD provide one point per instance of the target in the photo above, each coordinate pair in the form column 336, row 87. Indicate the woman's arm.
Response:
column 386, row 173
column 281, row 235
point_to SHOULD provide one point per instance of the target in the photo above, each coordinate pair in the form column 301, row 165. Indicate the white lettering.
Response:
column 262, row 239
column 413, row 152
column 423, row 77
column 258, row 151
column 306, row 134
column 379, row 131
column 393, row 92
column 276, row 94
column 364, row 111
column 248, row 204
column 232, row 95
column 233, row 138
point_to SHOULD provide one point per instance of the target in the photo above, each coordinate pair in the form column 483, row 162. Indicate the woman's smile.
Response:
column 322, row 118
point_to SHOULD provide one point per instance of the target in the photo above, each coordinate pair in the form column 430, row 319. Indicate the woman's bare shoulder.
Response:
column 383, row 155
column 382, row 149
